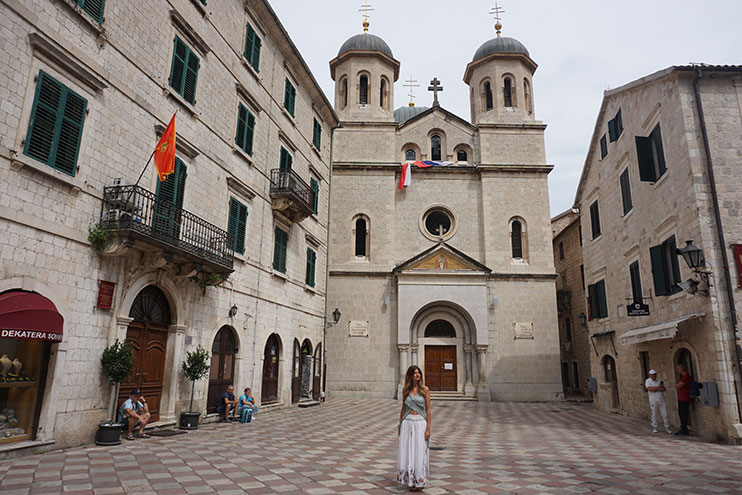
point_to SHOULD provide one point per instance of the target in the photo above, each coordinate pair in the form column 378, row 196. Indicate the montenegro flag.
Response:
column 165, row 151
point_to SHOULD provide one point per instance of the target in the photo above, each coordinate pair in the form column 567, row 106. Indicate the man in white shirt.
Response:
column 657, row 404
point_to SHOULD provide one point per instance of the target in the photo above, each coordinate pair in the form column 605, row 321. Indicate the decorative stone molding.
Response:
column 54, row 54
column 189, row 33
column 240, row 188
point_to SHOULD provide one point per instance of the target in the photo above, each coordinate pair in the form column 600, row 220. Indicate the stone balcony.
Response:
column 290, row 195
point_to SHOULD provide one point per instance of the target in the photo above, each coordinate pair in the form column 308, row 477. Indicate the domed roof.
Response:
column 403, row 114
column 500, row 45
column 368, row 42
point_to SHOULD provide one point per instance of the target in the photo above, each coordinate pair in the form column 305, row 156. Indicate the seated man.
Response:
column 227, row 404
column 247, row 405
column 134, row 412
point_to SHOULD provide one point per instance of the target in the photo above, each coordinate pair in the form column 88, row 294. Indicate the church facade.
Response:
column 455, row 272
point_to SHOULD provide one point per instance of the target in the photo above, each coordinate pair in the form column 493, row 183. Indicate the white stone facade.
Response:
column 121, row 67
column 680, row 204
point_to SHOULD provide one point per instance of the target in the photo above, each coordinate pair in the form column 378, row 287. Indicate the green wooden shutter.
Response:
column 237, row 224
column 314, row 185
column 619, row 123
column 232, row 222
column 595, row 219
column 249, row 43
column 626, row 192
column 279, row 250
column 70, row 132
column 94, row 8
column 289, row 97
column 191, row 77
column 659, row 270
column 311, row 264
column 169, row 203
column 592, row 299
column 240, row 137
column 644, row 157
column 602, row 301
column 178, row 66
column 286, row 160
column 603, row 147
column 659, row 154
column 612, row 135
column 250, row 133
column 317, row 135
column 671, row 250
column 256, row 54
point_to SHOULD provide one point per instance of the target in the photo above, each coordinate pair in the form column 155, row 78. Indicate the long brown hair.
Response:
column 408, row 382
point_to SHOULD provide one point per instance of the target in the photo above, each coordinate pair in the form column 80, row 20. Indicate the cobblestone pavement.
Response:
column 349, row 446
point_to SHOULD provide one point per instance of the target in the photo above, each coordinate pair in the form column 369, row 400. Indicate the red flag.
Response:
column 165, row 151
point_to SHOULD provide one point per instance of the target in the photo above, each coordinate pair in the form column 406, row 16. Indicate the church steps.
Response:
column 451, row 396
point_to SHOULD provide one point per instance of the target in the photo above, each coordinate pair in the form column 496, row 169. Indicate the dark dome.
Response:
column 366, row 42
column 403, row 114
column 500, row 45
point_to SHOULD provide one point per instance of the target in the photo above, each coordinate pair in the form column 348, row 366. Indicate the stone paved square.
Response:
column 349, row 446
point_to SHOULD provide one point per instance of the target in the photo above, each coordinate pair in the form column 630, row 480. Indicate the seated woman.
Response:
column 247, row 407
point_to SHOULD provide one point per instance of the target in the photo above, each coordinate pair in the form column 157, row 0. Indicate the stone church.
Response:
column 454, row 273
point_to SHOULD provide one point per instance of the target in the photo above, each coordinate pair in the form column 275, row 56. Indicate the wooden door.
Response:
column 221, row 372
column 440, row 367
column 317, row 374
column 609, row 367
column 296, row 374
column 269, row 388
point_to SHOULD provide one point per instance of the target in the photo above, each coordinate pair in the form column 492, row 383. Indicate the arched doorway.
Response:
column 296, row 373
column 271, row 358
column 611, row 378
column 685, row 357
column 147, row 333
column 440, row 360
column 317, row 373
column 221, row 372
column 306, row 368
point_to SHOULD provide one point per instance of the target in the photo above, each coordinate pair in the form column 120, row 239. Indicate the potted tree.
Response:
column 117, row 361
column 194, row 368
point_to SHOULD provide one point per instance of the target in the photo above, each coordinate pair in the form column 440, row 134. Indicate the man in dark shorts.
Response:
column 134, row 412
column 228, row 404
column 683, row 387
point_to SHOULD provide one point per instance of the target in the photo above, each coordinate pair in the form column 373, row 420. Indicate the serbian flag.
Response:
column 405, row 179
column 165, row 151
column 427, row 163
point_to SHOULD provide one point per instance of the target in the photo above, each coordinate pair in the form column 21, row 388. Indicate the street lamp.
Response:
column 583, row 320
column 233, row 311
column 336, row 316
column 692, row 255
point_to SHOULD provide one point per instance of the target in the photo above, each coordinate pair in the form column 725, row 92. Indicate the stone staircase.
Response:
column 452, row 396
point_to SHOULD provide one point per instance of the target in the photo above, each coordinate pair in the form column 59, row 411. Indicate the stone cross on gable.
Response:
column 435, row 87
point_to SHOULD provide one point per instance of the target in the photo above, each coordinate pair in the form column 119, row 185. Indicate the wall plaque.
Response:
column 637, row 309
column 105, row 294
column 358, row 328
column 737, row 249
column 523, row 330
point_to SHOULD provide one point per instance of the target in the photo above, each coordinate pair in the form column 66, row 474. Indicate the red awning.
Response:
column 28, row 315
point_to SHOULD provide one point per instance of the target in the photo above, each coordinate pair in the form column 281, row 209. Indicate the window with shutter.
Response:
column 595, row 219
column 289, row 97
column 615, row 127
column 169, row 202
column 94, row 8
column 317, row 135
column 516, row 240
column 598, row 304
column 508, row 92
column 636, row 282
column 184, row 71
column 658, row 154
column 237, row 225
column 279, row 250
column 55, row 126
column 626, row 192
column 245, row 129
column 286, row 160
column 659, row 270
column 363, row 91
column 252, row 48
column 665, row 268
column 311, row 266
column 603, row 147
column 488, row 101
column 314, row 185
column 651, row 156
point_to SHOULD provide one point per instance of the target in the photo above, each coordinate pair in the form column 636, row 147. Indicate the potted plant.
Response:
column 117, row 361
column 194, row 368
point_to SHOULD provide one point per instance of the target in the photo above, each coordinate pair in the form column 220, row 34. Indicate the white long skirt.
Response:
column 413, row 464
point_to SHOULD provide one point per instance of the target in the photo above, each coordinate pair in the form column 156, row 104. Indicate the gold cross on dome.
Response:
column 410, row 83
column 495, row 12
column 365, row 8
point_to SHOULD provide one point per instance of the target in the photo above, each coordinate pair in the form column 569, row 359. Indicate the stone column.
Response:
column 483, row 389
column 403, row 348
column 414, row 348
column 468, row 371
column 122, row 323
column 173, row 358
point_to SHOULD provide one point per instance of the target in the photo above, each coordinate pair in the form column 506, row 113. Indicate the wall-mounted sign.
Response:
column 523, row 330
column 358, row 328
column 447, row 366
column 637, row 309
column 105, row 294
column 737, row 249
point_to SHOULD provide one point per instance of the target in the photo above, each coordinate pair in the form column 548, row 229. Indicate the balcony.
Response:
column 563, row 300
column 138, row 219
column 290, row 195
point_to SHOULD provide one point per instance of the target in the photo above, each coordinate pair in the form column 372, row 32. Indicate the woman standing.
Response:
column 414, row 432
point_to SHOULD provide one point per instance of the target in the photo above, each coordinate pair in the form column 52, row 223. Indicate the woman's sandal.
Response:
column 130, row 437
column 144, row 435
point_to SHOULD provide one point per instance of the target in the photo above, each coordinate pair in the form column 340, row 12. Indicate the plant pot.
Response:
column 189, row 420
column 108, row 434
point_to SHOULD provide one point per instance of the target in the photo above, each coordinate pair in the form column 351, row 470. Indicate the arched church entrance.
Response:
column 221, row 372
column 147, row 333
column 440, row 360
column 271, row 358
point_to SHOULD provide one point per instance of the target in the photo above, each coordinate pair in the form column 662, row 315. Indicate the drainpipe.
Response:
column 722, row 242
column 327, row 273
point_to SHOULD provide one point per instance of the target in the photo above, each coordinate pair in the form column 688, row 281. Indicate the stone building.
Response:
column 570, row 289
column 455, row 272
column 663, row 168
column 232, row 258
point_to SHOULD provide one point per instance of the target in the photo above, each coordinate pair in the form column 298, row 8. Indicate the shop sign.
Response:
column 637, row 309
column 105, row 294
column 31, row 335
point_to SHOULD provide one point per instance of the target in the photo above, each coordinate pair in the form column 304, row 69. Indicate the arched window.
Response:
column 441, row 329
column 508, row 92
column 435, row 147
column 527, row 96
column 488, row 104
column 382, row 93
column 363, row 94
column 461, row 156
column 517, row 239
column 361, row 237
column 344, row 93
column 409, row 155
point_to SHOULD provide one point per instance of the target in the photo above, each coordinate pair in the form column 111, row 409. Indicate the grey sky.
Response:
column 582, row 47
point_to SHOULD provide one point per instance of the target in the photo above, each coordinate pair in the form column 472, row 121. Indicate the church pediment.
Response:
column 442, row 258
column 438, row 116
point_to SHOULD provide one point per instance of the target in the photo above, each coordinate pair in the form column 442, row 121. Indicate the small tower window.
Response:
column 508, row 92
column 435, row 148
column 517, row 240
column 488, row 96
column 461, row 156
column 363, row 94
column 361, row 237
column 344, row 93
column 527, row 96
column 382, row 93
column 409, row 155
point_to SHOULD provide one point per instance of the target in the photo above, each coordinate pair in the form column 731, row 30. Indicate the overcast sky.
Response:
column 582, row 47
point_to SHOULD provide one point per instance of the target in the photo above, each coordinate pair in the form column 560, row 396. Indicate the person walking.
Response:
column 683, row 387
column 657, row 405
column 413, row 464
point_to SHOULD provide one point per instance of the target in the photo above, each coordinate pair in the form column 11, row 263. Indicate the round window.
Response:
column 438, row 223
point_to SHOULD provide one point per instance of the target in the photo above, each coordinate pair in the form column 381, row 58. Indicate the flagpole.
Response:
column 140, row 177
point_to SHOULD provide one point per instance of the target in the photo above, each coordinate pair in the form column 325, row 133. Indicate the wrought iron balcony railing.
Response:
column 133, row 209
column 295, row 197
